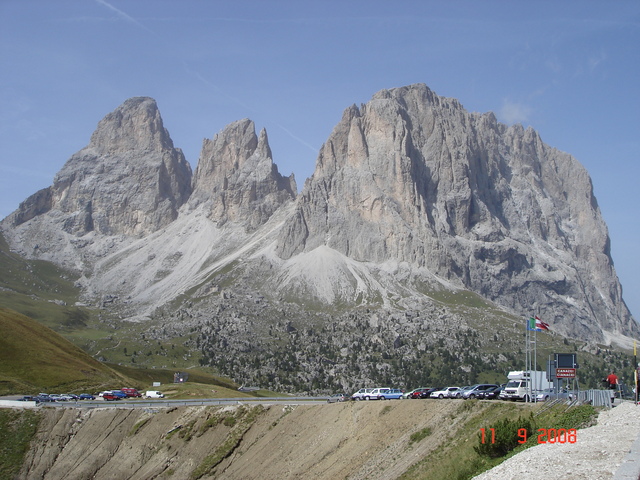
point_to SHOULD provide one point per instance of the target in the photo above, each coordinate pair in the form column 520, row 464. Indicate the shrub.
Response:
column 502, row 437
column 419, row 435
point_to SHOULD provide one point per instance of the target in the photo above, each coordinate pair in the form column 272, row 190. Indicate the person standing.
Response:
column 612, row 380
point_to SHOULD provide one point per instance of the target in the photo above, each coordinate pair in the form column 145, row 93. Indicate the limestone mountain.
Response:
column 413, row 177
column 237, row 179
column 424, row 230
column 129, row 180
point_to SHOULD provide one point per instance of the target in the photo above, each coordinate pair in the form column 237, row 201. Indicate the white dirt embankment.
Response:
column 596, row 455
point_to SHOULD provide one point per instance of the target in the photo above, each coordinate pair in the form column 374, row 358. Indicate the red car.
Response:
column 131, row 392
column 110, row 396
column 422, row 392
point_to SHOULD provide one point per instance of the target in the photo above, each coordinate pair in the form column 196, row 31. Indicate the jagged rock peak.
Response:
column 134, row 125
column 129, row 179
column 413, row 177
column 237, row 179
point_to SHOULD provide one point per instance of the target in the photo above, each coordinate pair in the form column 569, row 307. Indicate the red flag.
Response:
column 541, row 324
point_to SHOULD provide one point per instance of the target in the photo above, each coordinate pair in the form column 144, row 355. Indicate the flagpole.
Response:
column 635, row 369
column 535, row 363
column 527, row 365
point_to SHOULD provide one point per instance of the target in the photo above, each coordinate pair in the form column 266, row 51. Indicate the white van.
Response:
column 153, row 394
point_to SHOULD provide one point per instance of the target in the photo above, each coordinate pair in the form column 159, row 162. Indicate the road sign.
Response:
column 566, row 372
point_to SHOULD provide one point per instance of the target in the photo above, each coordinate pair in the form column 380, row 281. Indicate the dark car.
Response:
column 476, row 390
column 44, row 398
column 86, row 396
column 491, row 393
column 423, row 392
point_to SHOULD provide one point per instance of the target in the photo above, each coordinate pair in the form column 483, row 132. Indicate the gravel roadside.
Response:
column 597, row 453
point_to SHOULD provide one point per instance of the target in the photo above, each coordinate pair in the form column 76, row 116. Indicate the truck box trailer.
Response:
column 524, row 385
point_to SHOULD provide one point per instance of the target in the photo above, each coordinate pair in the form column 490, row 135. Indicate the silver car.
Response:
column 338, row 397
column 551, row 394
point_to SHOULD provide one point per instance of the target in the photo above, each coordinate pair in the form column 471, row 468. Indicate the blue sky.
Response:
column 569, row 69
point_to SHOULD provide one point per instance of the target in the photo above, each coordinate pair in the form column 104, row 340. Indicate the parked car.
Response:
column 61, row 397
column 43, row 397
column 86, row 396
column 119, row 393
column 422, row 392
column 360, row 394
column 444, row 392
column 108, row 396
column 491, row 393
column 154, row 394
column 383, row 394
column 394, row 394
column 338, row 397
column 477, row 390
column 551, row 394
column 410, row 393
column 461, row 391
column 131, row 392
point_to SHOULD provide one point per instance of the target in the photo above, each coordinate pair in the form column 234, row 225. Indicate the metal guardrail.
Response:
column 168, row 403
column 597, row 398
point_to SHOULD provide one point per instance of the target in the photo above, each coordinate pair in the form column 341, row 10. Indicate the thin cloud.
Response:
column 209, row 83
column 596, row 59
column 298, row 139
column 245, row 106
column 513, row 112
column 124, row 16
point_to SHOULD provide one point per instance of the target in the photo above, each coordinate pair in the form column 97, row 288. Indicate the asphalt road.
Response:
column 165, row 403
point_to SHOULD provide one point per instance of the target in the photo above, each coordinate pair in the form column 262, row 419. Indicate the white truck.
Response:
column 154, row 394
column 524, row 385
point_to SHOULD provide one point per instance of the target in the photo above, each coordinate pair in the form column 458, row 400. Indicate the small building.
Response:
column 180, row 377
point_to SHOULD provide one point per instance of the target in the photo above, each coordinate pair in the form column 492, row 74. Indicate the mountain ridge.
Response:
column 412, row 196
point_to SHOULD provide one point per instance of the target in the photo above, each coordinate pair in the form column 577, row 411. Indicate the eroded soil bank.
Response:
column 345, row 440
column 404, row 439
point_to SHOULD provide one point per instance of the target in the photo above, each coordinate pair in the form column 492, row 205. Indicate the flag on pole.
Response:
column 531, row 325
column 540, row 325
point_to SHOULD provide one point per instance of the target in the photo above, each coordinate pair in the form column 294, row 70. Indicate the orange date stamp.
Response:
column 545, row 435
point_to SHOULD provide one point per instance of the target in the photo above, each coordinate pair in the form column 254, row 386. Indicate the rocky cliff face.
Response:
column 129, row 180
column 236, row 178
column 413, row 177
column 411, row 195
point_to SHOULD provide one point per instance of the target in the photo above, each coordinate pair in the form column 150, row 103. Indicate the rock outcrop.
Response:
column 129, row 180
column 236, row 178
column 413, row 177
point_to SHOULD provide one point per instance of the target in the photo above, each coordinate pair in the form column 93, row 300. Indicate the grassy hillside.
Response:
column 39, row 290
column 34, row 358
column 199, row 385
column 415, row 348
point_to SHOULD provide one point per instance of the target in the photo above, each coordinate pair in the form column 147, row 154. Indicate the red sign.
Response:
column 565, row 372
